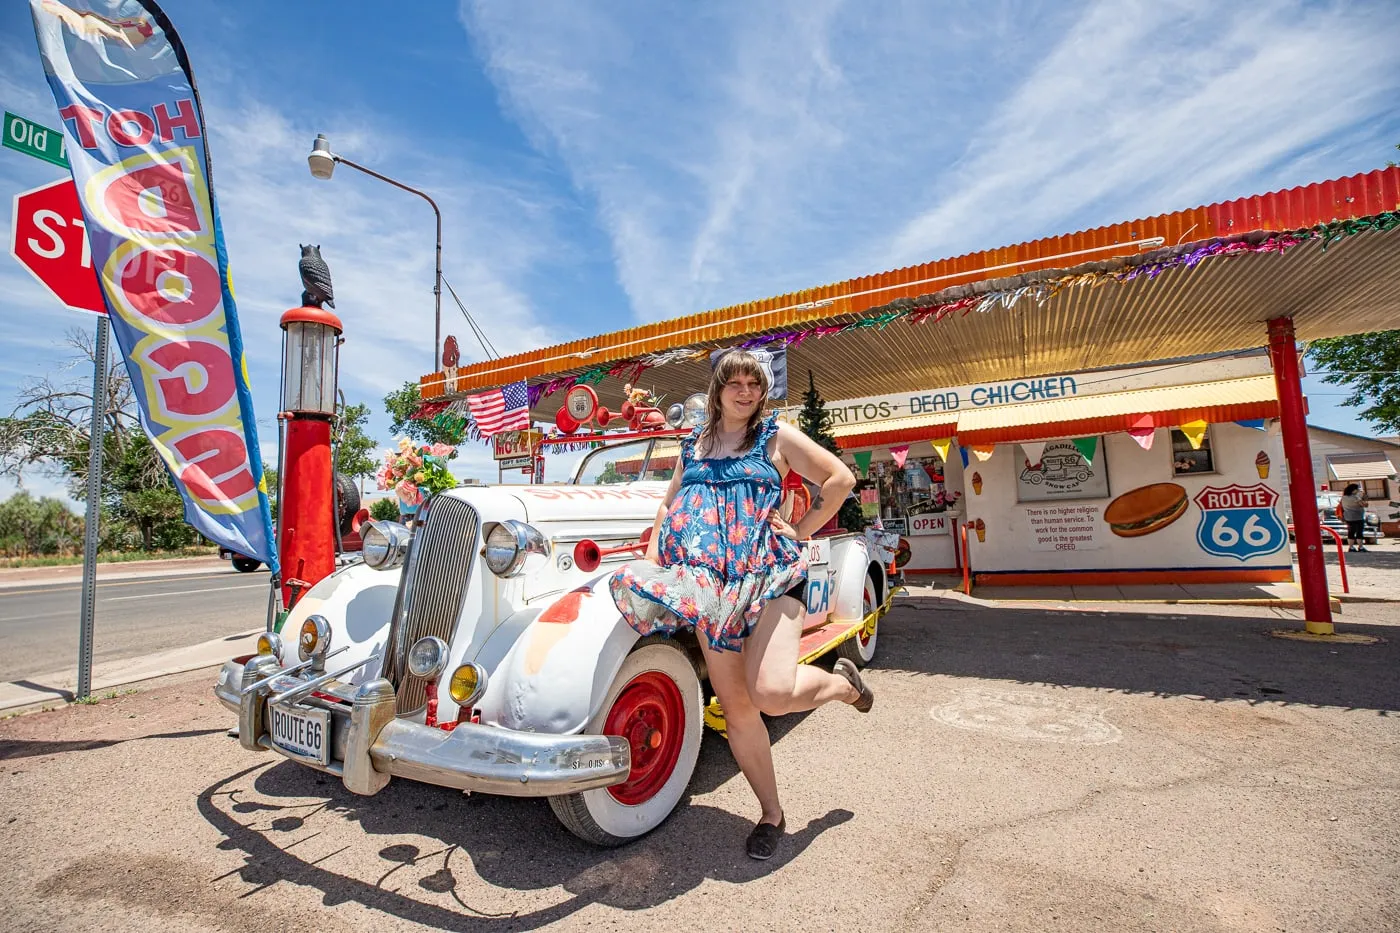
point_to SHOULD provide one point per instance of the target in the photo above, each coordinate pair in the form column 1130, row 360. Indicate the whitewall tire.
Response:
column 859, row 649
column 654, row 702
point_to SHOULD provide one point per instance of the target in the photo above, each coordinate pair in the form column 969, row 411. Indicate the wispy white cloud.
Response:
column 737, row 151
column 1175, row 105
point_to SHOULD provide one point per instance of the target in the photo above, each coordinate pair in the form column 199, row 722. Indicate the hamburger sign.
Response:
column 1239, row 521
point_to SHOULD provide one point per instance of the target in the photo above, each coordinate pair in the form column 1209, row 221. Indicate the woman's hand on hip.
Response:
column 781, row 525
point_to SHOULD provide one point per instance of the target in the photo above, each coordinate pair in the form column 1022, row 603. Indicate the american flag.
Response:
column 503, row 409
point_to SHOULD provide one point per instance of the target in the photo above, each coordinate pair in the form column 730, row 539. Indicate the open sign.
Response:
column 935, row 523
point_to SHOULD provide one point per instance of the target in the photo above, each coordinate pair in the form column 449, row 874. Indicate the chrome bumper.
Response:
column 369, row 744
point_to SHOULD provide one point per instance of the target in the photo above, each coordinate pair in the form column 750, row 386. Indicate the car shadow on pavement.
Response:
column 15, row 749
column 510, row 843
column 1205, row 656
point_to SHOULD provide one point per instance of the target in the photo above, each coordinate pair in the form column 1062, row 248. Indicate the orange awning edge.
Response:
column 925, row 432
column 1117, row 424
column 1291, row 209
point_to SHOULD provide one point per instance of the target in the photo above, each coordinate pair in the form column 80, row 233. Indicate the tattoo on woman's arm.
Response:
column 817, row 501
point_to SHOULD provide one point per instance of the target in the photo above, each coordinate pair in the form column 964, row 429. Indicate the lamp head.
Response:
column 321, row 159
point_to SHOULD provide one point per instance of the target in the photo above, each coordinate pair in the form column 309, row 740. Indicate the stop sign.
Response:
column 50, row 240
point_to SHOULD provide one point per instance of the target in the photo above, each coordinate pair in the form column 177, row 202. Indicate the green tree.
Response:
column 815, row 422
column 1368, row 365
column 139, row 490
column 354, row 449
column 384, row 510
column 401, row 404
column 31, row 527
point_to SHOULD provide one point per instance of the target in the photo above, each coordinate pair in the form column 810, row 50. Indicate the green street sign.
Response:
column 34, row 139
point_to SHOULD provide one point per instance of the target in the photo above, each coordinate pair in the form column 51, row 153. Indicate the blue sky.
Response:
column 604, row 164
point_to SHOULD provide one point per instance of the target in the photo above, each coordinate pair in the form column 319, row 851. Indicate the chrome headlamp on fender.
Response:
column 315, row 638
column 509, row 543
column 384, row 544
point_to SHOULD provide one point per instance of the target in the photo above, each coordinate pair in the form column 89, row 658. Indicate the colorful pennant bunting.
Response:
column 1087, row 447
column 1143, row 431
column 862, row 459
column 984, row 453
column 1195, row 432
column 1034, row 451
column 899, row 454
column 941, row 445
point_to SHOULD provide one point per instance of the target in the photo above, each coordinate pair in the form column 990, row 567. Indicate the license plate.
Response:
column 303, row 733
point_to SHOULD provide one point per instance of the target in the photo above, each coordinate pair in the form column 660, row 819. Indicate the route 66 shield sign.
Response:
column 1239, row 521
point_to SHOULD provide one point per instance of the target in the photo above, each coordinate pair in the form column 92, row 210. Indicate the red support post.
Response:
column 1283, row 353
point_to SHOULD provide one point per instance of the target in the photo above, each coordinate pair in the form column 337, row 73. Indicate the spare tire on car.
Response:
column 347, row 502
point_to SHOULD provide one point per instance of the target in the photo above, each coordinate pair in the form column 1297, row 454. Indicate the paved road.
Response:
column 1023, row 770
column 39, row 622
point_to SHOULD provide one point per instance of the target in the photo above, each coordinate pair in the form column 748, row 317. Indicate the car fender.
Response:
column 557, row 672
column 850, row 563
column 358, row 602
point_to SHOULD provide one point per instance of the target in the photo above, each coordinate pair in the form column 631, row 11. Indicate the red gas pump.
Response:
column 306, row 513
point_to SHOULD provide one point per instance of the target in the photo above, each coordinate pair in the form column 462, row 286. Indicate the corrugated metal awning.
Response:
column 1373, row 464
column 895, row 431
column 1167, row 406
column 1351, row 286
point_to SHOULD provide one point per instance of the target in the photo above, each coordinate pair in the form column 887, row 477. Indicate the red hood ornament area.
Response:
column 581, row 408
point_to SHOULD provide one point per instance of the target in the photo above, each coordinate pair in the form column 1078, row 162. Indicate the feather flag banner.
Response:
column 503, row 409
column 138, row 148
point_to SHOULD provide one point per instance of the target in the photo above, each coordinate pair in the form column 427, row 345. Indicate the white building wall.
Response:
column 1007, row 545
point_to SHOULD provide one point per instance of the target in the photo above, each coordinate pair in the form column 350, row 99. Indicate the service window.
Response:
column 1186, row 459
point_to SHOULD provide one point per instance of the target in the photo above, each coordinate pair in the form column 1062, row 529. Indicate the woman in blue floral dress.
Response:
column 723, row 561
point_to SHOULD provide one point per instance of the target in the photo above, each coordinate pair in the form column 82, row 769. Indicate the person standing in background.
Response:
column 1354, row 514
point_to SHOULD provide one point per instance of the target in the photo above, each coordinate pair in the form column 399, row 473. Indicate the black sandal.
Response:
column 763, row 841
column 845, row 668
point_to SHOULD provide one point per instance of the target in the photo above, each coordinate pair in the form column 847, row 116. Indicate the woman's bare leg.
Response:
column 777, row 683
column 748, row 733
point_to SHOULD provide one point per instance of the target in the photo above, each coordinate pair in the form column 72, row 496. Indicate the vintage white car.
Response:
column 482, row 651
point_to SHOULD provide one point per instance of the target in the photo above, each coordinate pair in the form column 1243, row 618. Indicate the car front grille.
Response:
column 434, row 583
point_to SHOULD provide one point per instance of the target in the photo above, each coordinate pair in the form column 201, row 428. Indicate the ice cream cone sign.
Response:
column 1261, row 463
column 981, row 527
column 977, row 484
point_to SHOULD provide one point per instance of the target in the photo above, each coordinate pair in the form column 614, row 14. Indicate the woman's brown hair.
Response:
column 734, row 363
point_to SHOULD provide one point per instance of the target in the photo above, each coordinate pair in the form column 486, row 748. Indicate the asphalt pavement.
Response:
column 1024, row 769
column 134, row 617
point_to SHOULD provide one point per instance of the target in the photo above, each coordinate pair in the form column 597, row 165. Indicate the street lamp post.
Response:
column 323, row 162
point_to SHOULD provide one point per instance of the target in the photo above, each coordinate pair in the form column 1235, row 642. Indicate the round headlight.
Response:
column 694, row 410
column 508, row 543
column 675, row 415
column 315, row 639
column 270, row 643
column 427, row 657
column 384, row 544
column 468, row 684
